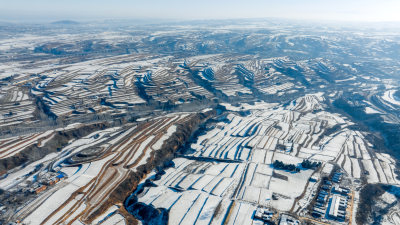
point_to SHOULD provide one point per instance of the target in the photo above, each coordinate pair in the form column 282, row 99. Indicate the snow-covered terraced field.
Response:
column 11, row 146
column 233, row 162
column 87, row 185
column 101, row 124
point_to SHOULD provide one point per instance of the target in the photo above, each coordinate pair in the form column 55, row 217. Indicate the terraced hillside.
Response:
column 218, row 122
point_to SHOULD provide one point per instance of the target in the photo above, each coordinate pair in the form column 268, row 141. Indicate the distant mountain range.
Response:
column 65, row 22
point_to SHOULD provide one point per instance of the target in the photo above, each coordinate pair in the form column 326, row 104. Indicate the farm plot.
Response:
column 289, row 135
column 11, row 146
column 229, row 170
column 267, row 135
column 97, row 179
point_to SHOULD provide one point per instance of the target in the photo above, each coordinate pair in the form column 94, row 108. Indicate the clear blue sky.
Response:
column 342, row 10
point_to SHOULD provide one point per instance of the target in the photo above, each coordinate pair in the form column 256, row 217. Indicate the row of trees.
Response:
column 289, row 167
column 306, row 164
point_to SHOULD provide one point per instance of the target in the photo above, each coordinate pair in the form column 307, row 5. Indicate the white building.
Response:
column 334, row 211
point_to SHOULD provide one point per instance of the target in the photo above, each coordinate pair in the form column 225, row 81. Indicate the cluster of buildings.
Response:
column 319, row 209
column 269, row 216
column 264, row 214
column 339, row 201
column 337, row 177
column 332, row 199
column 288, row 220
column 40, row 182
column 47, row 181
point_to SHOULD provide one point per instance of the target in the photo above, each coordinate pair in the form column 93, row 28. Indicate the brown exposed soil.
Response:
column 167, row 152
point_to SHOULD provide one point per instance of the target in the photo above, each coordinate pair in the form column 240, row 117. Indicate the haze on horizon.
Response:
column 330, row 10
